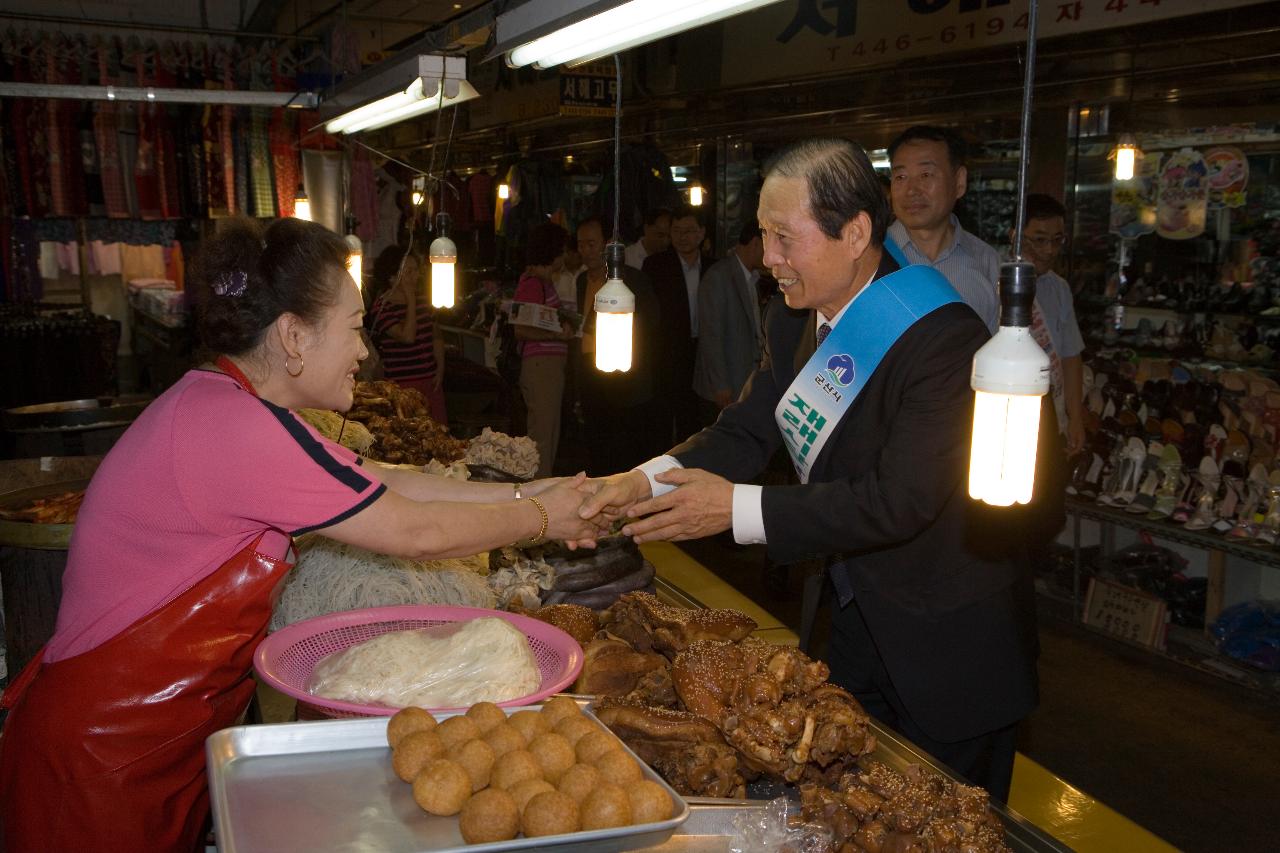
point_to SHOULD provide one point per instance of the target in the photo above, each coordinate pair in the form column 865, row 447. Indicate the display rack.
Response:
column 1217, row 546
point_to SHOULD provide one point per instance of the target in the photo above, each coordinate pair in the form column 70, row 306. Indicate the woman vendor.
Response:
column 186, row 531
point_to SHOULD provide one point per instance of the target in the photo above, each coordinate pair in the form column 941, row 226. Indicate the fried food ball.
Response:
column 490, row 815
column 513, row 768
column 550, row 813
column 619, row 768
column 573, row 728
column 476, row 757
column 456, row 731
column 414, row 751
column 442, row 787
column 486, row 716
column 594, row 744
column 525, row 791
column 579, row 780
column 649, row 802
column 504, row 738
column 554, row 755
column 530, row 724
column 605, row 807
column 559, row 708
column 406, row 721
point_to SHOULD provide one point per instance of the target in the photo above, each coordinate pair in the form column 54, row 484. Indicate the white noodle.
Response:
column 331, row 576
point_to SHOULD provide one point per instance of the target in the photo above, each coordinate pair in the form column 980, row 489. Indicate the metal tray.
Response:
column 1020, row 834
column 329, row 786
column 29, row 534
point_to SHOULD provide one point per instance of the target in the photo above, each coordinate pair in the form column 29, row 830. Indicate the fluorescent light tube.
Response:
column 628, row 25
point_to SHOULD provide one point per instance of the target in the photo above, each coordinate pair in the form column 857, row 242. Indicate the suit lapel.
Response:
column 808, row 341
column 744, row 296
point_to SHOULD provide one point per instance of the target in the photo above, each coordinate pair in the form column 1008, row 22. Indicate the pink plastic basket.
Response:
column 286, row 659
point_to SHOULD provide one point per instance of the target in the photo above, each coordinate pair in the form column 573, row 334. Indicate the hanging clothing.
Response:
column 106, row 128
column 166, row 143
column 146, row 176
column 284, row 149
column 364, row 196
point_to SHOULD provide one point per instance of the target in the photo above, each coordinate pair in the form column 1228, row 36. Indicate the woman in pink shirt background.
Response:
column 185, row 533
column 544, row 354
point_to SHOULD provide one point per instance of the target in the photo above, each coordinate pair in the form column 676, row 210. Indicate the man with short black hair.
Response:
column 730, row 334
column 865, row 384
column 928, row 177
column 656, row 238
column 617, row 408
column 676, row 274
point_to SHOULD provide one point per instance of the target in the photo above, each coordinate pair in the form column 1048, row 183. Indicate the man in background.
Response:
column 656, row 238
column 928, row 177
column 730, row 334
column 617, row 408
column 676, row 275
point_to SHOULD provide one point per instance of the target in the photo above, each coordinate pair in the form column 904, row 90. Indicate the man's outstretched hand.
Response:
column 612, row 498
column 702, row 505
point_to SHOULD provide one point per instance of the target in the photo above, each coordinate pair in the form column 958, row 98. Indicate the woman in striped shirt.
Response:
column 401, row 322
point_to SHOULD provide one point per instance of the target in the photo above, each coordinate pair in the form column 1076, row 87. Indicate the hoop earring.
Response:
column 301, row 366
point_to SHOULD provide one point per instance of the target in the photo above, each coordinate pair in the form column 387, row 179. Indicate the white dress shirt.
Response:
column 635, row 254
column 748, row 508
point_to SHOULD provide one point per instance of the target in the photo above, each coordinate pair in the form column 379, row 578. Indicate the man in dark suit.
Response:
column 730, row 334
column 928, row 633
column 617, row 408
column 676, row 274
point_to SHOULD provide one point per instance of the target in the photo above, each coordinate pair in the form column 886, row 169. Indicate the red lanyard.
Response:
column 228, row 367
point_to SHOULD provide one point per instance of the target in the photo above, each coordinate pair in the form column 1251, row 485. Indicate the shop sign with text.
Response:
column 588, row 90
column 803, row 37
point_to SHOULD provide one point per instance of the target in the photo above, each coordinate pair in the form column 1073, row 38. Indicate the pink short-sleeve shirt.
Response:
column 205, row 470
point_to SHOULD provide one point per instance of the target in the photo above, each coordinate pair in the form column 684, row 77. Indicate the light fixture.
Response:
column 443, row 255
column 1126, row 154
column 504, row 191
column 1011, row 371
column 695, row 195
column 1010, row 375
column 302, row 204
column 397, row 90
column 615, row 306
column 419, row 193
column 355, row 259
column 159, row 95
column 546, row 33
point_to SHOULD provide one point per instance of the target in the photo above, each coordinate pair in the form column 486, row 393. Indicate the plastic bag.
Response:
column 771, row 830
column 446, row 666
column 1250, row 632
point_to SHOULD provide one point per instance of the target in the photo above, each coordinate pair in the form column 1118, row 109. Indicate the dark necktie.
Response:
column 823, row 331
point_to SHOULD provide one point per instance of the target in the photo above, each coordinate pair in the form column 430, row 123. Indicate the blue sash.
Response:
column 825, row 388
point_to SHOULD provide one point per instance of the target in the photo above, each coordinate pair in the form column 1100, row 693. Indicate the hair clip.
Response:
column 232, row 283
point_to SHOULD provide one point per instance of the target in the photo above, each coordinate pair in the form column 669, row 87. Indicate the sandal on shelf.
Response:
column 1171, row 484
column 1133, row 469
column 1269, row 530
column 1144, row 499
column 1255, row 490
column 1210, row 481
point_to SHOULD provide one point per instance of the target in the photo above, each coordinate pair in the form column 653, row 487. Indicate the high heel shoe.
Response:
column 1171, row 484
column 1255, row 490
column 1269, row 530
column 1210, row 480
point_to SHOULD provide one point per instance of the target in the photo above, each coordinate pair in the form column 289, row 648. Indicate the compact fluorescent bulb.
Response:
column 615, row 306
column 443, row 255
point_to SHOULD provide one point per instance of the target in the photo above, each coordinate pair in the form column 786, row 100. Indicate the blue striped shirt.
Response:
column 972, row 267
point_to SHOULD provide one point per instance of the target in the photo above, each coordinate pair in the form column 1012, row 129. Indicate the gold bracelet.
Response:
column 546, row 521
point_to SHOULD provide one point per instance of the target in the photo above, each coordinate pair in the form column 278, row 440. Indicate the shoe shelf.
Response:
column 1216, row 546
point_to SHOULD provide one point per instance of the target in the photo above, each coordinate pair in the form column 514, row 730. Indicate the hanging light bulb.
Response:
column 504, row 191
column 419, row 190
column 695, row 196
column 355, row 259
column 1010, row 375
column 615, row 306
column 443, row 255
column 1126, row 154
column 301, row 204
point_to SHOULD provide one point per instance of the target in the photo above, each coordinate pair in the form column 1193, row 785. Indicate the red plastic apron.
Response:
column 104, row 751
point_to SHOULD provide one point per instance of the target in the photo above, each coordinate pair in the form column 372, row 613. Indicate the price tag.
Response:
column 1127, row 613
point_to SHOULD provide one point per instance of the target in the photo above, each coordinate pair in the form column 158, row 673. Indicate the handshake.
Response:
column 582, row 509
